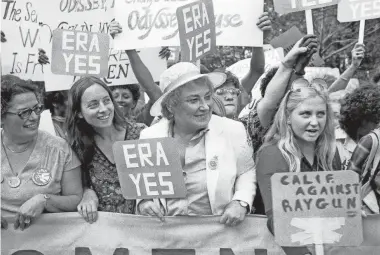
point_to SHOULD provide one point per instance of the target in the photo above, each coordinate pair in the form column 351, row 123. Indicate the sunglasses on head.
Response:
column 317, row 83
column 232, row 91
column 25, row 114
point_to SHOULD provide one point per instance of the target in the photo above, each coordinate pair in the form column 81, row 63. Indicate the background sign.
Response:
column 149, row 168
column 355, row 10
column 196, row 24
column 287, row 6
column 19, row 54
column 79, row 53
column 154, row 23
column 324, row 202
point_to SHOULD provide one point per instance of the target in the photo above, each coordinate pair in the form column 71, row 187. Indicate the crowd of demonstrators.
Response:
column 293, row 125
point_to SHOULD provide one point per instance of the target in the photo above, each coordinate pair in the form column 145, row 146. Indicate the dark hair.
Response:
column 363, row 104
column 230, row 78
column 80, row 133
column 55, row 97
column 268, row 76
column 376, row 78
column 11, row 86
column 133, row 88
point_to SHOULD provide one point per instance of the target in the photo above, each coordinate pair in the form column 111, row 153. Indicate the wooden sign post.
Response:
column 317, row 208
column 288, row 6
column 196, row 24
column 79, row 53
column 355, row 10
column 149, row 168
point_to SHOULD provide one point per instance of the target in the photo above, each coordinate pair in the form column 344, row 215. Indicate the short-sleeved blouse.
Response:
column 51, row 153
column 104, row 179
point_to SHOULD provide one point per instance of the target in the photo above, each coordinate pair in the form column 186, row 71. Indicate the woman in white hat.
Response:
column 217, row 161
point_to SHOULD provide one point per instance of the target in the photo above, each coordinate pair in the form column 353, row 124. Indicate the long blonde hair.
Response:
column 281, row 133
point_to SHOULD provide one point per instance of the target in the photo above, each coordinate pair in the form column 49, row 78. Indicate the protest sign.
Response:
column 79, row 53
column 154, row 23
column 288, row 6
column 317, row 207
column 287, row 39
column 87, row 16
column 355, row 10
column 19, row 54
column 196, row 24
column 121, row 234
column 149, row 168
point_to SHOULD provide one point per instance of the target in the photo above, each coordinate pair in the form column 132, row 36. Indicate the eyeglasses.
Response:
column 232, row 91
column 25, row 114
column 317, row 83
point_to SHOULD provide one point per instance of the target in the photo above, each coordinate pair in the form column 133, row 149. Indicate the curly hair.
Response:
column 55, row 97
column 230, row 78
column 266, row 78
column 12, row 85
column 133, row 88
column 362, row 105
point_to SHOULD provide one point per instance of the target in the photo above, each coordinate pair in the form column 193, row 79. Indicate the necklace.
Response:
column 6, row 147
column 13, row 181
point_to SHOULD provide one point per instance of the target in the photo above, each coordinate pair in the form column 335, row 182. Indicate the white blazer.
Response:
column 234, row 178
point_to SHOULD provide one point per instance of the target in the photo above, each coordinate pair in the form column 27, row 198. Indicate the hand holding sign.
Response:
column 148, row 208
column 358, row 54
column 291, row 58
column 264, row 22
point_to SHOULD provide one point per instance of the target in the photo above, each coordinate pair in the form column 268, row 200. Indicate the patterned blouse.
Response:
column 105, row 180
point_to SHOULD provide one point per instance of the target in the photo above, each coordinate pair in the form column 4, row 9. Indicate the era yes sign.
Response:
column 80, row 53
column 149, row 169
column 286, row 6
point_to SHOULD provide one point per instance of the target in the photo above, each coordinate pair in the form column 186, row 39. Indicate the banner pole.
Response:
column 198, row 63
column 309, row 22
column 361, row 31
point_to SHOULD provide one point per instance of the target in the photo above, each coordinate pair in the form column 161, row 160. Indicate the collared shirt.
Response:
column 345, row 146
column 197, row 201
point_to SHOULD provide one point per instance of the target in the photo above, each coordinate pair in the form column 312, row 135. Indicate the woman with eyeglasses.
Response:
column 301, row 139
column 94, row 124
column 39, row 172
column 228, row 93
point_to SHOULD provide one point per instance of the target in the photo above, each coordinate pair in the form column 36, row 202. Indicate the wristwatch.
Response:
column 244, row 204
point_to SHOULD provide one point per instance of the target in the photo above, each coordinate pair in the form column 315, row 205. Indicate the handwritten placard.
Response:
column 154, row 23
column 355, row 10
column 287, row 6
column 196, row 23
column 326, row 203
column 149, row 168
column 19, row 54
column 79, row 53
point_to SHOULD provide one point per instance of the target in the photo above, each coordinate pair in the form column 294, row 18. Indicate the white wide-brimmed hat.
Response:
column 178, row 75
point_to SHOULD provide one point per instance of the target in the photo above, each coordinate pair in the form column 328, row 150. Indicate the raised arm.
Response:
column 358, row 54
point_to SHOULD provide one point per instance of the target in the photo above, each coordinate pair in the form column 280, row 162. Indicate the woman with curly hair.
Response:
column 301, row 139
column 360, row 118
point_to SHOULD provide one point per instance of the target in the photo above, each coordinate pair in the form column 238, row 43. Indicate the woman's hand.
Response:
column 304, row 47
column 358, row 54
column 264, row 22
column 42, row 58
column 115, row 28
column 29, row 210
column 234, row 214
column 88, row 206
column 165, row 53
column 4, row 223
column 149, row 208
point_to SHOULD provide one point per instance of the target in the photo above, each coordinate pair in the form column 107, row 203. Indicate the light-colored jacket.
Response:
column 234, row 177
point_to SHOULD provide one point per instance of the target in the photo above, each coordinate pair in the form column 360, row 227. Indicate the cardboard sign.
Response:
column 79, row 53
column 355, row 10
column 196, row 24
column 287, row 6
column 154, row 23
column 149, row 168
column 317, row 208
column 19, row 54
column 287, row 39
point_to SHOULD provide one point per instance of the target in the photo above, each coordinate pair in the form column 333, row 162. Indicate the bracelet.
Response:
column 345, row 79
